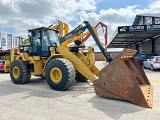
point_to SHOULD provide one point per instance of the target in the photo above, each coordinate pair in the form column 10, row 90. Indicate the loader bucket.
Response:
column 125, row 79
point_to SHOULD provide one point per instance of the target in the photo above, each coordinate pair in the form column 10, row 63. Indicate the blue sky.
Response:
column 103, row 4
column 115, row 4
column 7, row 30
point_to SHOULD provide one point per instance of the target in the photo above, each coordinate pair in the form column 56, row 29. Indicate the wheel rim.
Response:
column 16, row 72
column 56, row 75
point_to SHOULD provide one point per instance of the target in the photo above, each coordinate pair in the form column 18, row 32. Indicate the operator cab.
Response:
column 41, row 40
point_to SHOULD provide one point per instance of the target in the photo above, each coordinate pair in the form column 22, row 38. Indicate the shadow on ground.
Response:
column 8, row 87
column 39, row 88
column 114, row 108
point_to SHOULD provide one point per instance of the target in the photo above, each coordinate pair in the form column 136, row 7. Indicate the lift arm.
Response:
column 105, row 32
column 94, row 34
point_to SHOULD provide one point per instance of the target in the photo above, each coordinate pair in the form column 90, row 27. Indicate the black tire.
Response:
column 24, row 74
column 80, row 77
column 152, row 68
column 2, row 72
column 67, row 74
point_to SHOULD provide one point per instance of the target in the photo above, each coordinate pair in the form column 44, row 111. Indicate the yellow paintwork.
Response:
column 62, row 28
column 24, row 56
column 38, row 69
column 12, row 57
column 5, row 57
column 52, row 49
column 16, row 72
column 78, row 64
column 14, row 50
column 34, row 58
column 6, row 66
column 52, row 57
column 56, row 75
column 82, row 63
column 89, row 59
column 26, row 41
column 95, row 70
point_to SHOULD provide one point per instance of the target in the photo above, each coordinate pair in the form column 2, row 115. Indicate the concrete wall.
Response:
column 157, row 46
column 99, row 56
column 140, row 49
column 147, row 47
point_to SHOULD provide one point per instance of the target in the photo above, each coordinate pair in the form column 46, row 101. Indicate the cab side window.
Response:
column 36, row 38
column 45, row 42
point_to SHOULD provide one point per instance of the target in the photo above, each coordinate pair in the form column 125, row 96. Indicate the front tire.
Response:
column 60, row 74
column 19, row 73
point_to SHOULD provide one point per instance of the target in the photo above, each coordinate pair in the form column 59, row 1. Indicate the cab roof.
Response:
column 36, row 28
column 29, row 30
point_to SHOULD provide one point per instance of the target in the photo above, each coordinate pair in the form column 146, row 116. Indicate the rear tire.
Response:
column 60, row 74
column 80, row 77
column 152, row 68
column 19, row 73
column 2, row 72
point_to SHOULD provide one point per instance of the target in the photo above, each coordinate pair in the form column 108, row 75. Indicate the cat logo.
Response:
column 25, row 48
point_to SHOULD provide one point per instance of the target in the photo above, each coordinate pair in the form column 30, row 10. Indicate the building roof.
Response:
column 146, row 15
column 127, row 36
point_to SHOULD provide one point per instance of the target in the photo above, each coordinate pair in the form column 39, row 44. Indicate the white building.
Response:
column 8, row 40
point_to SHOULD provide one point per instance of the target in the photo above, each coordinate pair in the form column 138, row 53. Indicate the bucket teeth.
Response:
column 125, row 79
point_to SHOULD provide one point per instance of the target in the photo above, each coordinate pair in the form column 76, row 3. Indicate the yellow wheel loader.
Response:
column 123, row 78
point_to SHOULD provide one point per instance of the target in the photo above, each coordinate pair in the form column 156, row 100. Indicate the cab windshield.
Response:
column 49, row 37
column 53, row 37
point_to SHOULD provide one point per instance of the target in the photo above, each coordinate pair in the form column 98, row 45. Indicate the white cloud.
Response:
column 154, row 6
column 24, row 14
column 118, row 17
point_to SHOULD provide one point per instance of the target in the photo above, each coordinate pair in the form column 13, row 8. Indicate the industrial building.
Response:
column 143, row 35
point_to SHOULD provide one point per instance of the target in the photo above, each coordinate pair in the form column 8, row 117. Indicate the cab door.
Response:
column 45, row 52
column 36, row 42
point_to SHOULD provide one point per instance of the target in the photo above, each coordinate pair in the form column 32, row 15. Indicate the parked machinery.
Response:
column 123, row 78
